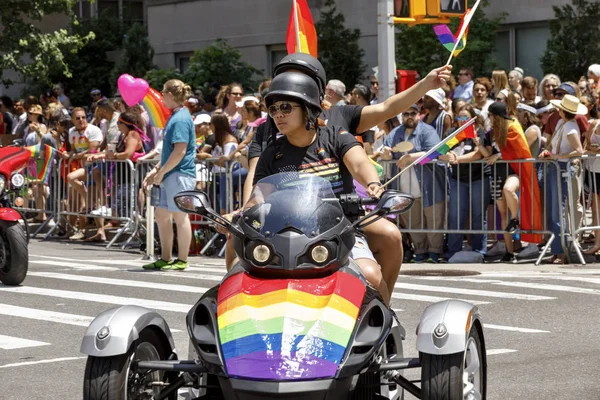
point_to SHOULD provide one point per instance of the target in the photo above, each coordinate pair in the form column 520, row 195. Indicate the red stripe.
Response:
column 340, row 283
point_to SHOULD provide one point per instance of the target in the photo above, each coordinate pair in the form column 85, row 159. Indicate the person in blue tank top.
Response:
column 175, row 173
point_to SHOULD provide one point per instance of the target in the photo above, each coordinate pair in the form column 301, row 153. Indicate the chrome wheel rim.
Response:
column 136, row 381
column 472, row 382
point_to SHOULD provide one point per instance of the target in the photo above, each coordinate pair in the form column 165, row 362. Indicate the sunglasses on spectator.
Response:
column 374, row 83
column 463, row 74
column 79, row 118
column 409, row 114
column 237, row 94
column 285, row 108
column 95, row 94
column 559, row 95
column 462, row 118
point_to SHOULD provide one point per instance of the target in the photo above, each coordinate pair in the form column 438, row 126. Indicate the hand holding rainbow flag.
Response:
column 456, row 44
column 43, row 174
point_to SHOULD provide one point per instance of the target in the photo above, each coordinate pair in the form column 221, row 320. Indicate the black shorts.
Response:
column 500, row 172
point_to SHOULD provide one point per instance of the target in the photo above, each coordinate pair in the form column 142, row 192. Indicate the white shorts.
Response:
column 361, row 250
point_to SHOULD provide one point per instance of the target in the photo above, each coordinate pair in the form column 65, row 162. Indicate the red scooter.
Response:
column 14, row 257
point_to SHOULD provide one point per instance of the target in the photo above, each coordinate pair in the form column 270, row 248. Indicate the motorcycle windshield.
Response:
column 303, row 202
column 287, row 329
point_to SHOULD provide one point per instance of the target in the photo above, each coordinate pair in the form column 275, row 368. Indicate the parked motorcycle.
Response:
column 14, row 257
column 295, row 319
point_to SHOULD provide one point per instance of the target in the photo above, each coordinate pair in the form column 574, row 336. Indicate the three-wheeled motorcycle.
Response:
column 14, row 256
column 294, row 319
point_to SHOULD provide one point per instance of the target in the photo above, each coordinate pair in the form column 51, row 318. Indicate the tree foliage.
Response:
column 136, row 56
column 573, row 45
column 418, row 48
column 220, row 62
column 157, row 77
column 26, row 49
column 339, row 50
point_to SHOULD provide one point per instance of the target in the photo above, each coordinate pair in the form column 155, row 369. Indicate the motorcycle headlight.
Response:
column 261, row 254
column 319, row 254
column 17, row 180
column 2, row 183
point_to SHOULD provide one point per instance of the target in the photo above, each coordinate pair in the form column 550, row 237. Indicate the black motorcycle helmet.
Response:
column 298, row 87
column 305, row 63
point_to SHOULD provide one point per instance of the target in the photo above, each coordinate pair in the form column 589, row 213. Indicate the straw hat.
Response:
column 571, row 105
column 37, row 109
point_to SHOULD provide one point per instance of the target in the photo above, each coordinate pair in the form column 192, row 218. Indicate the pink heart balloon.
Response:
column 132, row 89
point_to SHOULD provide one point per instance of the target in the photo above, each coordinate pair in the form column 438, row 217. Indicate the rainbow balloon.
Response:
column 287, row 329
column 158, row 112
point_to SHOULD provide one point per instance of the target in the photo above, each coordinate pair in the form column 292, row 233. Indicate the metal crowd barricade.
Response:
column 584, row 207
column 434, row 218
column 109, row 187
column 38, row 199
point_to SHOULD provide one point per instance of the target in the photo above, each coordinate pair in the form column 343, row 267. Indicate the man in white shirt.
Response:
column 85, row 139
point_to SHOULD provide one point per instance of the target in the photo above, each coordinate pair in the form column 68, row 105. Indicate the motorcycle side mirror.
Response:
column 197, row 202
column 390, row 202
column 18, row 142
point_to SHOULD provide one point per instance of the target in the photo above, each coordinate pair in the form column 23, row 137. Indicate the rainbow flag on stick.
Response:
column 446, row 146
column 34, row 151
column 44, row 173
column 301, row 34
column 448, row 39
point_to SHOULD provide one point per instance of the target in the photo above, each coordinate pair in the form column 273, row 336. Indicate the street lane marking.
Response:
column 472, row 292
column 493, row 352
column 218, row 265
column 431, row 299
column 12, row 343
column 73, row 265
column 43, row 315
column 513, row 328
column 101, row 298
column 25, row 363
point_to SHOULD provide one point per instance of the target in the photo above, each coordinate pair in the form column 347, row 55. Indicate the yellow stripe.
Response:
column 291, row 296
column 302, row 313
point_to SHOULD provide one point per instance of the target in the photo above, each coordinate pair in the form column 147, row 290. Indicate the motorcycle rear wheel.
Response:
column 114, row 378
column 14, row 257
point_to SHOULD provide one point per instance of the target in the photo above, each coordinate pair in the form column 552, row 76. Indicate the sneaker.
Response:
column 80, row 235
column 509, row 258
column 497, row 249
column 420, row 258
column 531, row 250
column 434, row 258
column 102, row 212
column 512, row 226
column 158, row 264
column 177, row 265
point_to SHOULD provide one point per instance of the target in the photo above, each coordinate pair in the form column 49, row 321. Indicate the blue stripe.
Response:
column 312, row 346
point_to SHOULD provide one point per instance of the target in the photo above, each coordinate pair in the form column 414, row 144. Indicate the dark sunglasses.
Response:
column 409, row 114
column 285, row 108
column 463, row 74
column 79, row 118
column 95, row 94
column 559, row 95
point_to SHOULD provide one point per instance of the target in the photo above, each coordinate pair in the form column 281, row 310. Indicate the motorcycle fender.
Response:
column 9, row 214
column 124, row 325
column 445, row 326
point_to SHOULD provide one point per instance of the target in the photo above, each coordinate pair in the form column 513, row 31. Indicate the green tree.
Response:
column 573, row 43
column 339, row 50
column 220, row 62
column 418, row 48
column 157, row 77
column 136, row 57
column 25, row 49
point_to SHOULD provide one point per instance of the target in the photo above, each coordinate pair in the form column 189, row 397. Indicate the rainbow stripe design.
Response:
column 287, row 329
column 34, row 151
column 468, row 133
column 156, row 109
column 44, row 173
column 448, row 39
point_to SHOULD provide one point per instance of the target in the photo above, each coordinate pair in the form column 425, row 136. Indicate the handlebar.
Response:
column 352, row 204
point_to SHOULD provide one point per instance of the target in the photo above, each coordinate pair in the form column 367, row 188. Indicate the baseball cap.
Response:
column 202, row 119
column 498, row 108
column 245, row 99
column 566, row 88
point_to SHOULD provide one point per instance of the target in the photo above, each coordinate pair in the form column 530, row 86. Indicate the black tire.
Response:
column 442, row 376
column 14, row 261
column 106, row 377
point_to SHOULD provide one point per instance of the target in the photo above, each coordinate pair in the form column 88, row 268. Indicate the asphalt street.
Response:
column 541, row 323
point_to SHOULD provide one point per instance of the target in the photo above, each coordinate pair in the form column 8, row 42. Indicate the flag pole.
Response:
column 298, row 45
column 462, row 30
column 437, row 146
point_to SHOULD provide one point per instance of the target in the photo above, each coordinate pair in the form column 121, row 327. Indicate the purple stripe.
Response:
column 273, row 365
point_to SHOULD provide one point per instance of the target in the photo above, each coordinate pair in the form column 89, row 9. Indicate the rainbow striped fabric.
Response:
column 468, row 133
column 287, row 329
column 44, row 173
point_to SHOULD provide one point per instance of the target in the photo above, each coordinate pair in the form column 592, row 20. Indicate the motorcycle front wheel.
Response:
column 116, row 378
column 14, row 257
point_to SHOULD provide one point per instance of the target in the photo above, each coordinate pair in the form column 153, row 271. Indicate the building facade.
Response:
column 258, row 29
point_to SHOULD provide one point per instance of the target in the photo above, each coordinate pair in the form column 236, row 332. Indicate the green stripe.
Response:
column 321, row 329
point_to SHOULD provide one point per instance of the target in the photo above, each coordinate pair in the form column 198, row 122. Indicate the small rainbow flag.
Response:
column 301, row 27
column 44, row 173
column 445, row 147
column 287, row 329
column 447, row 38
column 34, row 151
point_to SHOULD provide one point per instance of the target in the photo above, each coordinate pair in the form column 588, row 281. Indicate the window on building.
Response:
column 130, row 10
column 182, row 61
column 530, row 46
column 503, row 50
column 277, row 52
